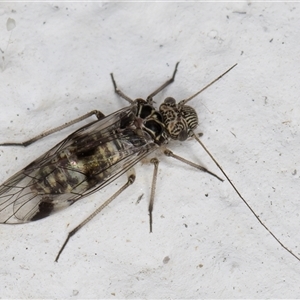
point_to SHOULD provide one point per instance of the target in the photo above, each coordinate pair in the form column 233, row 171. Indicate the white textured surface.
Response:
column 57, row 66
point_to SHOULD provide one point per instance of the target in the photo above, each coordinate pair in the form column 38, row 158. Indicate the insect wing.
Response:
column 87, row 160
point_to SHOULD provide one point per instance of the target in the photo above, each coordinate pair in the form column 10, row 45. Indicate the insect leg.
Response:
column 131, row 178
column 154, row 161
column 119, row 92
column 169, row 153
column 149, row 98
column 97, row 113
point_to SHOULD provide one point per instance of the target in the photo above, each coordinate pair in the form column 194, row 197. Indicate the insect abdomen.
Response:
column 76, row 170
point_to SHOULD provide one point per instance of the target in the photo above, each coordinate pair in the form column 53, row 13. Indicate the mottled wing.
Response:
column 84, row 162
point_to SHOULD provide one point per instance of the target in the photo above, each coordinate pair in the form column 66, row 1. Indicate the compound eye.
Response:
column 170, row 101
column 183, row 135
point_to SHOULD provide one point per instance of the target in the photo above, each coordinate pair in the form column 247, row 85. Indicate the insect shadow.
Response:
column 96, row 154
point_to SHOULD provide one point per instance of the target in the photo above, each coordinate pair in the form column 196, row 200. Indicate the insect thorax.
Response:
column 151, row 121
column 179, row 120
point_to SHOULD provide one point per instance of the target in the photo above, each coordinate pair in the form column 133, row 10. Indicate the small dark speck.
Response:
column 139, row 199
column 271, row 40
column 282, row 43
column 185, row 225
column 17, row 115
column 227, row 17
column 294, row 172
column 16, row 158
column 161, row 46
column 206, row 195
column 233, row 134
column 166, row 259
column 113, row 294
column 242, row 52
column 200, row 266
column 44, row 22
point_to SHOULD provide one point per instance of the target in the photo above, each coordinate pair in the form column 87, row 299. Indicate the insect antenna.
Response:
column 241, row 197
column 183, row 102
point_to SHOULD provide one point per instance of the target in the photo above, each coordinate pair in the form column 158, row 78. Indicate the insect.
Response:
column 96, row 154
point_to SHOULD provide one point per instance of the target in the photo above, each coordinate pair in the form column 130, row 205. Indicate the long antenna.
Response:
column 249, row 207
column 183, row 102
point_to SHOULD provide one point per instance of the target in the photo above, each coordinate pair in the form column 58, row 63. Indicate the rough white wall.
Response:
column 55, row 67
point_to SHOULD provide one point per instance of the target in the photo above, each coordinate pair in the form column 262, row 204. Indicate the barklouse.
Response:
column 96, row 154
